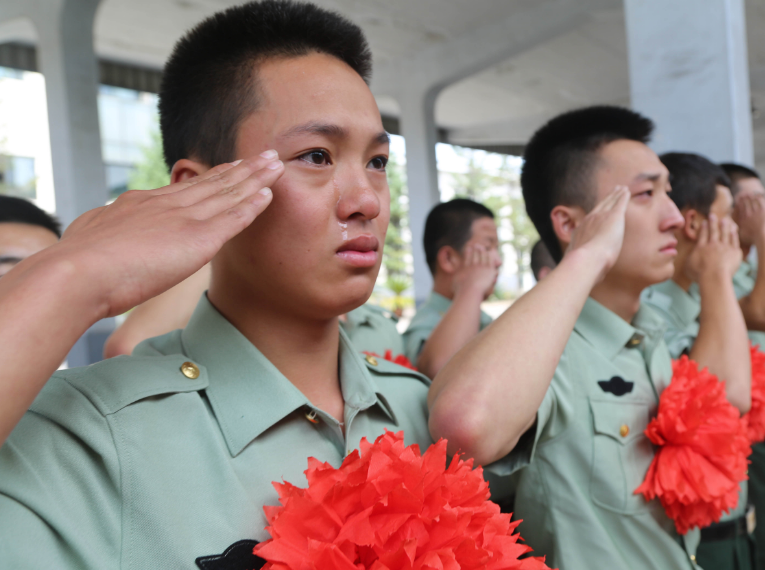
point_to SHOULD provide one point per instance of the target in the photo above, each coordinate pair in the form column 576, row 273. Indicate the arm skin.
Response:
column 474, row 402
column 108, row 261
column 722, row 344
column 463, row 319
column 166, row 312
column 750, row 212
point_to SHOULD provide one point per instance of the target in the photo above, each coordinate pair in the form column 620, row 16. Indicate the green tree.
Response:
column 151, row 172
column 397, row 248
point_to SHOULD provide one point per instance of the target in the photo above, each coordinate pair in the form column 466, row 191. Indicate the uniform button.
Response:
column 312, row 417
column 693, row 558
column 624, row 430
column 371, row 359
column 190, row 370
column 635, row 340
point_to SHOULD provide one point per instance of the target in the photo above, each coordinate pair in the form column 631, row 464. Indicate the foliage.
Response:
column 397, row 248
column 151, row 172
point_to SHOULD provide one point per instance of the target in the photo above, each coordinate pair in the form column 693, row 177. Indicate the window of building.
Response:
column 17, row 176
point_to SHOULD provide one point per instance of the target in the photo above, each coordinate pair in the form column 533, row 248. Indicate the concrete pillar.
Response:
column 67, row 60
column 689, row 73
column 418, row 127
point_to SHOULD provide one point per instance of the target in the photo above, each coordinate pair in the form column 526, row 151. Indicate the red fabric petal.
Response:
column 400, row 359
column 389, row 508
column 755, row 419
column 703, row 449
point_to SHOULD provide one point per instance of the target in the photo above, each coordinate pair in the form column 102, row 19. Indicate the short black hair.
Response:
column 18, row 211
column 450, row 223
column 540, row 258
column 738, row 172
column 694, row 180
column 560, row 157
column 209, row 84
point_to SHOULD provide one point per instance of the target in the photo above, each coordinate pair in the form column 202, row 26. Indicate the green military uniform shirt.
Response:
column 588, row 452
column 147, row 462
column 373, row 329
column 681, row 311
column 425, row 320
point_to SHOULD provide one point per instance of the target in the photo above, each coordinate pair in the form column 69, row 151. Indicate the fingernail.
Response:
column 269, row 154
column 274, row 165
column 236, row 162
column 265, row 191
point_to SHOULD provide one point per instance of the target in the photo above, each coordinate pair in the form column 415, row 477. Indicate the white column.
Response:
column 418, row 127
column 67, row 60
column 689, row 73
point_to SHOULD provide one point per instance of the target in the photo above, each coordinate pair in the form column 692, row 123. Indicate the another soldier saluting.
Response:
column 563, row 384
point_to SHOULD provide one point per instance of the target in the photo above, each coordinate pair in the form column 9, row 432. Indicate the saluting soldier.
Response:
column 703, row 317
column 166, row 458
column 562, row 386
column 462, row 251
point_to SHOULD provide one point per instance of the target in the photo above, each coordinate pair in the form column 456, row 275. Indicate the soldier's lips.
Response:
column 670, row 248
column 360, row 251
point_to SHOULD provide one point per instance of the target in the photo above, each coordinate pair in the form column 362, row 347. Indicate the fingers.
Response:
column 234, row 220
column 227, row 194
column 734, row 241
column 611, row 200
column 714, row 228
column 703, row 234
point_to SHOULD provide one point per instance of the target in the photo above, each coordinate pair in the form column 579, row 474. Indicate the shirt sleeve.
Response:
column 414, row 340
column 59, row 486
column 553, row 416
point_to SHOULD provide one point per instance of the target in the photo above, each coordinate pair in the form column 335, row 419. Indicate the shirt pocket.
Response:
column 621, row 453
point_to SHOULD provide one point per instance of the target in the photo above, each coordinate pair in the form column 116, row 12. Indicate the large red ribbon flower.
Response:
column 755, row 418
column 703, row 449
column 389, row 508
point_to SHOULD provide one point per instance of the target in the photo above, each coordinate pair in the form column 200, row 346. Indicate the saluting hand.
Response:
column 717, row 252
column 749, row 214
column 149, row 240
column 479, row 270
column 601, row 232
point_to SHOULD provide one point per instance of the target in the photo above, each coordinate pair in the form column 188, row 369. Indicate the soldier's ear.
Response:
column 185, row 169
column 692, row 224
column 565, row 220
column 448, row 259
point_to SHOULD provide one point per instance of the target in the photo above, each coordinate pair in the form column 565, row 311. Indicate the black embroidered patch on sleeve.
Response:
column 238, row 556
column 617, row 386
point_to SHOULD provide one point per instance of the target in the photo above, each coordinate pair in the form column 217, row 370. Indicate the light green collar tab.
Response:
column 247, row 392
column 686, row 306
column 609, row 333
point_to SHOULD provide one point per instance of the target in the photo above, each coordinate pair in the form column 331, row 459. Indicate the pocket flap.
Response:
column 623, row 421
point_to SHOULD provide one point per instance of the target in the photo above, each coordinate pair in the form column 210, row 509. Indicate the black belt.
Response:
column 724, row 530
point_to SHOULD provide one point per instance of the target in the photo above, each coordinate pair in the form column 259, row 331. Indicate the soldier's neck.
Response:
column 304, row 350
column 620, row 298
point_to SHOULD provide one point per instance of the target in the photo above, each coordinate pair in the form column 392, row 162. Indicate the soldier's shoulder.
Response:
column 157, row 366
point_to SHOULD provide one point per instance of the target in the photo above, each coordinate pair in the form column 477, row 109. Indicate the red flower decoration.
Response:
column 703, row 450
column 389, row 508
column 754, row 420
column 401, row 360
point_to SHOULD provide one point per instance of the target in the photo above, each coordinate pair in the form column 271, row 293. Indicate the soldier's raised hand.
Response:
column 149, row 240
column 601, row 232
column 717, row 250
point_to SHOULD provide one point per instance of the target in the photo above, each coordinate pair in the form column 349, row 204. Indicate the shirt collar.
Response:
column 247, row 392
column 609, row 333
column 441, row 304
column 685, row 306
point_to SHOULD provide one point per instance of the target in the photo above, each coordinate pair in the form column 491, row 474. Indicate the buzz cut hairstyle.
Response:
column 560, row 160
column 19, row 211
column 694, row 180
column 738, row 172
column 451, row 224
column 210, row 82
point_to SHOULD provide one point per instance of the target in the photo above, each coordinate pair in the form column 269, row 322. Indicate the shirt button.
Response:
column 312, row 417
column 693, row 558
column 371, row 359
column 624, row 430
column 190, row 370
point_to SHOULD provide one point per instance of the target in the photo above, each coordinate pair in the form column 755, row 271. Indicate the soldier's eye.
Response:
column 317, row 157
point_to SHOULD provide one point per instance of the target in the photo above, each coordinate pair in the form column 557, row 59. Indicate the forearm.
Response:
column 722, row 344
column 488, row 394
column 457, row 327
column 45, row 306
column 753, row 305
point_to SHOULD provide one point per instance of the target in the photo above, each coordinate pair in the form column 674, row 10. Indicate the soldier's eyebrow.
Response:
column 10, row 259
column 330, row 131
column 650, row 176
